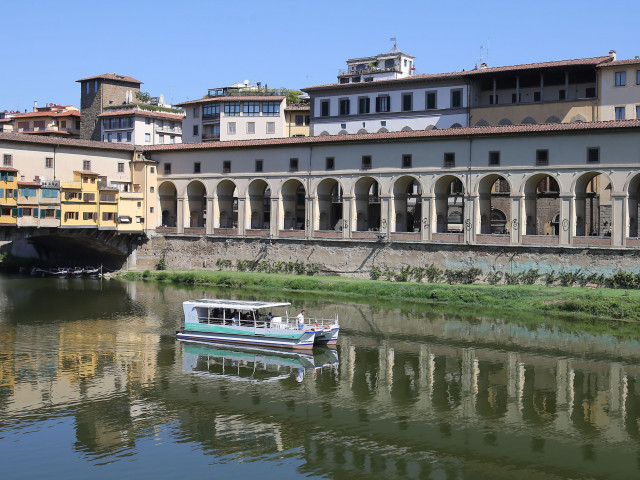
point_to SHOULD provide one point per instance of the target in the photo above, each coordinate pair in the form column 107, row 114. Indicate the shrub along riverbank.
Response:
column 569, row 302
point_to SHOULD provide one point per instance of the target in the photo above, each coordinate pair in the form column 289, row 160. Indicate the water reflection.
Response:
column 414, row 395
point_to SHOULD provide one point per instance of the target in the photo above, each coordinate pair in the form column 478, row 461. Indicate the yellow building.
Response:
column 80, row 201
column 8, row 194
column 108, row 208
column 297, row 119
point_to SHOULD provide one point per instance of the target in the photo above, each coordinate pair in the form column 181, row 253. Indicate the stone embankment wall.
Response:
column 355, row 259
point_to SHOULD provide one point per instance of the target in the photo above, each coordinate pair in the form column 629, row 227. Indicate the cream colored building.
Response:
column 140, row 125
column 620, row 90
column 53, row 120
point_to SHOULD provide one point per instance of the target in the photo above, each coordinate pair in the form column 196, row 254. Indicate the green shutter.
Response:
column 43, row 213
column 19, row 212
column 14, row 212
column 35, row 213
column 58, row 214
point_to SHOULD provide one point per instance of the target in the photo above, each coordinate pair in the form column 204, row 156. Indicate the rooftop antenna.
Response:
column 482, row 47
column 395, row 45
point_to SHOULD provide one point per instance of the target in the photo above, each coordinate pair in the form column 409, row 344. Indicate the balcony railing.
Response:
column 165, row 129
column 210, row 136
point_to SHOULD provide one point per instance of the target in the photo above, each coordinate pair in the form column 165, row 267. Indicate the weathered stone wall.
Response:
column 356, row 258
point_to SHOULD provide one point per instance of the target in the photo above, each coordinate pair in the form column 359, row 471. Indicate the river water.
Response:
column 93, row 384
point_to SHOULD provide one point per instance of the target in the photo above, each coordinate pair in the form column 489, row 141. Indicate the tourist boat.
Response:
column 252, row 323
column 254, row 364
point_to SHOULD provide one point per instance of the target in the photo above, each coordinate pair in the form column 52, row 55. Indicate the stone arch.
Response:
column 449, row 203
column 505, row 121
column 541, row 202
column 196, row 204
column 407, row 128
column 578, row 118
column 259, row 193
column 367, row 204
column 553, row 119
column 593, row 206
column 343, row 132
column 494, row 194
column 168, row 197
column 383, row 130
column 329, row 205
column 226, row 205
column 293, row 198
column 529, row 121
column 362, row 131
column 482, row 123
column 324, row 133
column 633, row 189
column 407, row 204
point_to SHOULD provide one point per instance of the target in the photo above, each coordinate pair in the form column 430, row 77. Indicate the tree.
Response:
column 143, row 97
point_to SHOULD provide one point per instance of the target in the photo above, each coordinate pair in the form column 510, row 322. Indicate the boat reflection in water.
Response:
column 255, row 365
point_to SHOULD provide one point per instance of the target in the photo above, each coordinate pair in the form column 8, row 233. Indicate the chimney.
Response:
column 612, row 54
column 35, row 105
column 483, row 65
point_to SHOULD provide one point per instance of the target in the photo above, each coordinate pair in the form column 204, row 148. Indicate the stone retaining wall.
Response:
column 356, row 258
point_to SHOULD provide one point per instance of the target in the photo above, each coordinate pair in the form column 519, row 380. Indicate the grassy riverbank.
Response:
column 569, row 302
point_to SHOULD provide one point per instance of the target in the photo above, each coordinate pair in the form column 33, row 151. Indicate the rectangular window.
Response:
column 449, row 160
column 620, row 113
column 108, row 197
column 330, row 163
column 383, row 103
column 271, row 127
column 161, row 139
column 172, row 139
column 120, row 167
column 196, row 167
column 515, row 98
column 542, row 157
column 364, row 105
column 590, row 92
column 344, row 106
column 196, row 112
column 562, row 94
column 293, row 164
column 621, row 79
column 494, row 158
column 88, row 197
column 431, row 100
column 251, row 109
column 70, row 215
column 232, row 109
column 107, row 216
column 456, row 98
column 536, row 96
column 211, row 111
column 147, row 121
column 86, row 165
column 119, row 137
column 593, row 155
column 406, row 161
column 48, row 162
column 299, row 120
column 128, row 136
column 324, row 108
column 638, row 111
column 259, row 164
column 251, row 128
column 88, row 85
column 407, row 102
column 226, row 166
column 493, row 101
column 167, row 169
column 147, row 137
column 366, row 162
column 89, row 215
column 637, row 77
column 196, row 131
column 7, row 160
column 231, row 128
column 270, row 109
column 152, row 189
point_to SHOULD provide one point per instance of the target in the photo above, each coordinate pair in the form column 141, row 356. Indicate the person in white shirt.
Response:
column 300, row 319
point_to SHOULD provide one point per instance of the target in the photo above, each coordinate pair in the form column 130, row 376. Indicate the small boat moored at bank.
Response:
column 252, row 323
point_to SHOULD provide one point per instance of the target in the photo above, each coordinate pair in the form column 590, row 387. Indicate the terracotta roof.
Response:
column 142, row 113
column 418, row 134
column 617, row 63
column 67, row 113
column 40, row 132
column 234, row 98
column 534, row 66
column 8, row 169
column 85, row 172
column 595, row 61
column 112, row 76
column 28, row 184
column 67, row 142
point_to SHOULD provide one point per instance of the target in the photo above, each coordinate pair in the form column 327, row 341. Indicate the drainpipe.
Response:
column 468, row 187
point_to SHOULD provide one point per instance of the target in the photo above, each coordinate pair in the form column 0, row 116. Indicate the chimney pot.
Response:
column 612, row 54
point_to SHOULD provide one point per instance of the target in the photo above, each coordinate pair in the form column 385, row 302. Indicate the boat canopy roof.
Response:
column 234, row 304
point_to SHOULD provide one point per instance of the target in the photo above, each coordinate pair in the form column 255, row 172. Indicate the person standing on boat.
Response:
column 300, row 319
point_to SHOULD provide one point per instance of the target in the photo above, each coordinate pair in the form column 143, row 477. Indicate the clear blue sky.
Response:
column 183, row 48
